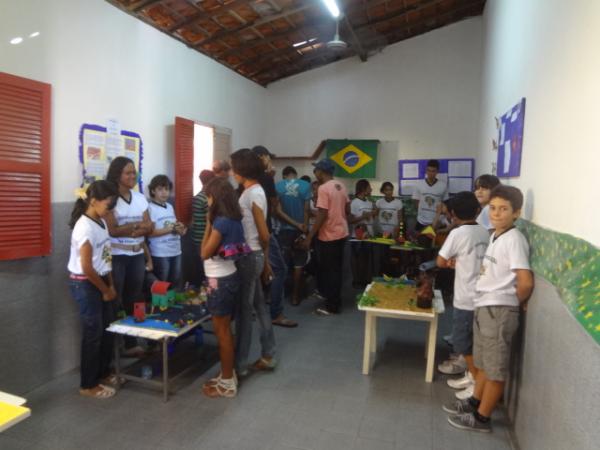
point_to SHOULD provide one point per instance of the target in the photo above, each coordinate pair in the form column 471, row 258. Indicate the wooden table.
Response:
column 406, row 313
column 12, row 410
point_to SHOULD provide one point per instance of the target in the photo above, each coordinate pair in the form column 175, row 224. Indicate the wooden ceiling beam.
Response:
column 208, row 14
column 266, row 19
column 362, row 53
column 138, row 6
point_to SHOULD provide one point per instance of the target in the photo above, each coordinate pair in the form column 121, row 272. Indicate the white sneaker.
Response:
column 465, row 393
column 453, row 366
column 461, row 383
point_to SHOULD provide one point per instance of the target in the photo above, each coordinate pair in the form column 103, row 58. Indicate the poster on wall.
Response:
column 510, row 141
column 98, row 146
column 458, row 173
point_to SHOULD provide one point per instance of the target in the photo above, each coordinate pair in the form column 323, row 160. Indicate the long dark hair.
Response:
column 224, row 199
column 247, row 164
column 116, row 168
column 100, row 190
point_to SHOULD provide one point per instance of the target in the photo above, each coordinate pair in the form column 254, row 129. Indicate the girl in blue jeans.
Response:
column 92, row 286
column 222, row 245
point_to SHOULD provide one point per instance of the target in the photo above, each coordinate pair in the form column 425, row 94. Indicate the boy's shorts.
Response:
column 294, row 256
column 462, row 331
column 222, row 294
column 494, row 328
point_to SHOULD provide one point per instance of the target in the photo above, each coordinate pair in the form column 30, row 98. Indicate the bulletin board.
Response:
column 459, row 173
column 510, row 141
column 98, row 147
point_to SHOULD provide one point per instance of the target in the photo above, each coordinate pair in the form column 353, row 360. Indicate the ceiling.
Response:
column 267, row 40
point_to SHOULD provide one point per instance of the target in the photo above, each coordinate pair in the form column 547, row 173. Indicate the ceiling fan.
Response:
column 336, row 44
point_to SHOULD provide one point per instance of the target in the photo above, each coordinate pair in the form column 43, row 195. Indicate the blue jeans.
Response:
column 279, row 273
column 251, row 299
column 128, row 276
column 168, row 269
column 96, row 342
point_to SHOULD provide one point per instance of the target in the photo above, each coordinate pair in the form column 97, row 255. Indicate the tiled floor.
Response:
column 316, row 399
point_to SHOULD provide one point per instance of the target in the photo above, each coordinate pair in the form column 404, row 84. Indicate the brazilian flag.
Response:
column 354, row 158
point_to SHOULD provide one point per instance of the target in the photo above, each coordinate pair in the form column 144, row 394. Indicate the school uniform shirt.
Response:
column 496, row 285
column 483, row 218
column 232, row 233
column 357, row 208
column 333, row 197
column 467, row 244
column 167, row 245
column 253, row 194
column 126, row 212
column 429, row 196
column 293, row 195
column 96, row 233
column 388, row 214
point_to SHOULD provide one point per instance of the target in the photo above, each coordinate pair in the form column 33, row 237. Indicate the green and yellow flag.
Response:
column 354, row 158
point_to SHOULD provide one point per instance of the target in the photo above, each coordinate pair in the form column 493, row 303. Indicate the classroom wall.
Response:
column 420, row 97
column 102, row 64
column 545, row 50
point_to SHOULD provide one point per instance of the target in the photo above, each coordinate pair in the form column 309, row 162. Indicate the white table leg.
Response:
column 367, row 343
column 431, row 340
column 373, row 347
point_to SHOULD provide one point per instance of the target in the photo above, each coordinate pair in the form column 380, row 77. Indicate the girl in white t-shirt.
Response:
column 165, row 240
column 483, row 189
column 362, row 211
column 91, row 285
column 389, row 211
column 254, row 268
column 223, row 244
column 128, row 224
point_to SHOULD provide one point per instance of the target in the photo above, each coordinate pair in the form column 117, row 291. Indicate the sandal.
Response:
column 264, row 364
column 218, row 378
column 100, row 392
column 219, row 389
column 113, row 381
column 282, row 321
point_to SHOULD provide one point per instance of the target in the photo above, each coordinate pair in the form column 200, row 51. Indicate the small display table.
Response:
column 154, row 330
column 398, row 305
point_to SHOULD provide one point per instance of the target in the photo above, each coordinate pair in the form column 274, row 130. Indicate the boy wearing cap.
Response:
column 331, row 229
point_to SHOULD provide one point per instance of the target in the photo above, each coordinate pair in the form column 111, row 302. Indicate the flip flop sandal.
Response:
column 103, row 393
column 263, row 364
column 219, row 389
column 113, row 381
column 284, row 322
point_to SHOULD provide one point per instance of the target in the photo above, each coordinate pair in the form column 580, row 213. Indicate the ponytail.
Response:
column 79, row 208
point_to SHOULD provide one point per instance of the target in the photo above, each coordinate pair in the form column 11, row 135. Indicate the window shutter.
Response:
column 25, row 219
column 184, row 168
column 221, row 144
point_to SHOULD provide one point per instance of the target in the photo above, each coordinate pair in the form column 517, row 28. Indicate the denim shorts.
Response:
column 222, row 294
column 294, row 255
column 462, row 331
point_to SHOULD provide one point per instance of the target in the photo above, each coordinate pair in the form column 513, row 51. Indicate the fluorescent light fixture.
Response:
column 298, row 44
column 34, row 34
column 16, row 40
column 332, row 7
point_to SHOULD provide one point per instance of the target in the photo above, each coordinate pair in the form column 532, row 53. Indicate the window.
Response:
column 25, row 228
column 197, row 145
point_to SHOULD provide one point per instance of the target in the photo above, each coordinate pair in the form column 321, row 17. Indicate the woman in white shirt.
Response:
column 389, row 211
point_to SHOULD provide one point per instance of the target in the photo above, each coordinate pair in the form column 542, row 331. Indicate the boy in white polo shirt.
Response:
column 429, row 192
column 463, row 251
column 505, row 283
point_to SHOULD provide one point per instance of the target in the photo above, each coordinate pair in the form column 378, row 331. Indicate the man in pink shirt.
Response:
column 331, row 229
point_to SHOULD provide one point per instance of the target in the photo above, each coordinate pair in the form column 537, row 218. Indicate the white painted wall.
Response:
column 547, row 52
column 103, row 63
column 420, row 96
